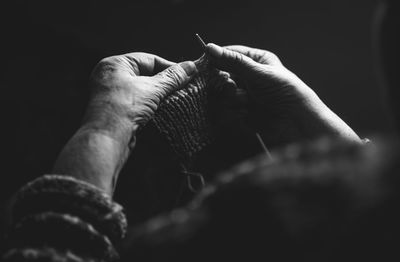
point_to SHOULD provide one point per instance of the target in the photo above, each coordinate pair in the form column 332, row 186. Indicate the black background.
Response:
column 49, row 48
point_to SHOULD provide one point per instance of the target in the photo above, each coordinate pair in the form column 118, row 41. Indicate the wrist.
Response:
column 316, row 119
column 93, row 156
column 99, row 149
column 112, row 119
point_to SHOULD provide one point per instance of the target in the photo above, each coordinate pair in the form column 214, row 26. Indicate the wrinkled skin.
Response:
column 136, row 81
column 281, row 106
column 126, row 91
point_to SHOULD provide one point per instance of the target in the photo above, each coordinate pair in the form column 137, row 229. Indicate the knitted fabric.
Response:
column 43, row 255
column 62, row 231
column 65, row 194
column 57, row 216
column 185, row 116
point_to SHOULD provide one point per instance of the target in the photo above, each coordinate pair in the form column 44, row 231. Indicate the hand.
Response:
column 131, row 87
column 284, row 108
column 126, row 91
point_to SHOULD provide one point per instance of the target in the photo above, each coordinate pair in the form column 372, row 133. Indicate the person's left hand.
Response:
column 130, row 87
column 283, row 108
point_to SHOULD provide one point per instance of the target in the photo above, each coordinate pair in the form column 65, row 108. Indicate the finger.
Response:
column 258, row 55
column 248, row 51
column 176, row 76
column 145, row 64
column 232, row 96
column 232, row 61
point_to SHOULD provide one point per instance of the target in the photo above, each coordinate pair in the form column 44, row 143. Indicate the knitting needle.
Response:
column 264, row 147
column 201, row 41
column 262, row 144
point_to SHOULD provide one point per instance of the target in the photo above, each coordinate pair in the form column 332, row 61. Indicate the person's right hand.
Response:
column 126, row 92
column 283, row 108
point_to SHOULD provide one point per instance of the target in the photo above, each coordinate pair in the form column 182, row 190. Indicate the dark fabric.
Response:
column 59, row 218
column 185, row 116
column 325, row 201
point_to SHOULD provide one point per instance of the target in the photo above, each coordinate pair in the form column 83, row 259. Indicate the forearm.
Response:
column 308, row 120
column 100, row 148
column 317, row 120
column 328, row 123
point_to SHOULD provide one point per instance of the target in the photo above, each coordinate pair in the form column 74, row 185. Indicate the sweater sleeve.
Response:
column 60, row 218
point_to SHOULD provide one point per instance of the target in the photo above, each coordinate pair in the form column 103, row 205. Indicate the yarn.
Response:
column 184, row 118
column 60, row 218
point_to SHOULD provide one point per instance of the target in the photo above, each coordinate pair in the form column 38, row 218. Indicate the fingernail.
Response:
column 189, row 67
column 214, row 50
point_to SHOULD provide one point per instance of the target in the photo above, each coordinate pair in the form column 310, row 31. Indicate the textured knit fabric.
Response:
column 59, row 218
column 322, row 201
column 184, row 117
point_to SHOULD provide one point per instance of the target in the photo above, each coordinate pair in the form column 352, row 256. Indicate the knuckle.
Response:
column 271, row 57
column 105, row 65
column 236, row 56
column 108, row 61
column 173, row 76
column 136, row 54
column 103, row 69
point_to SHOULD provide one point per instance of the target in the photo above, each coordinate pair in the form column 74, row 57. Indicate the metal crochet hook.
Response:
column 259, row 138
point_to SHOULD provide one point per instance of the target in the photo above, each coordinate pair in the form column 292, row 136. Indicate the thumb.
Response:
column 176, row 76
column 232, row 61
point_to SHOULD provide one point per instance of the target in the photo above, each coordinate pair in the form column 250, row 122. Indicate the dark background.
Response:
column 50, row 47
